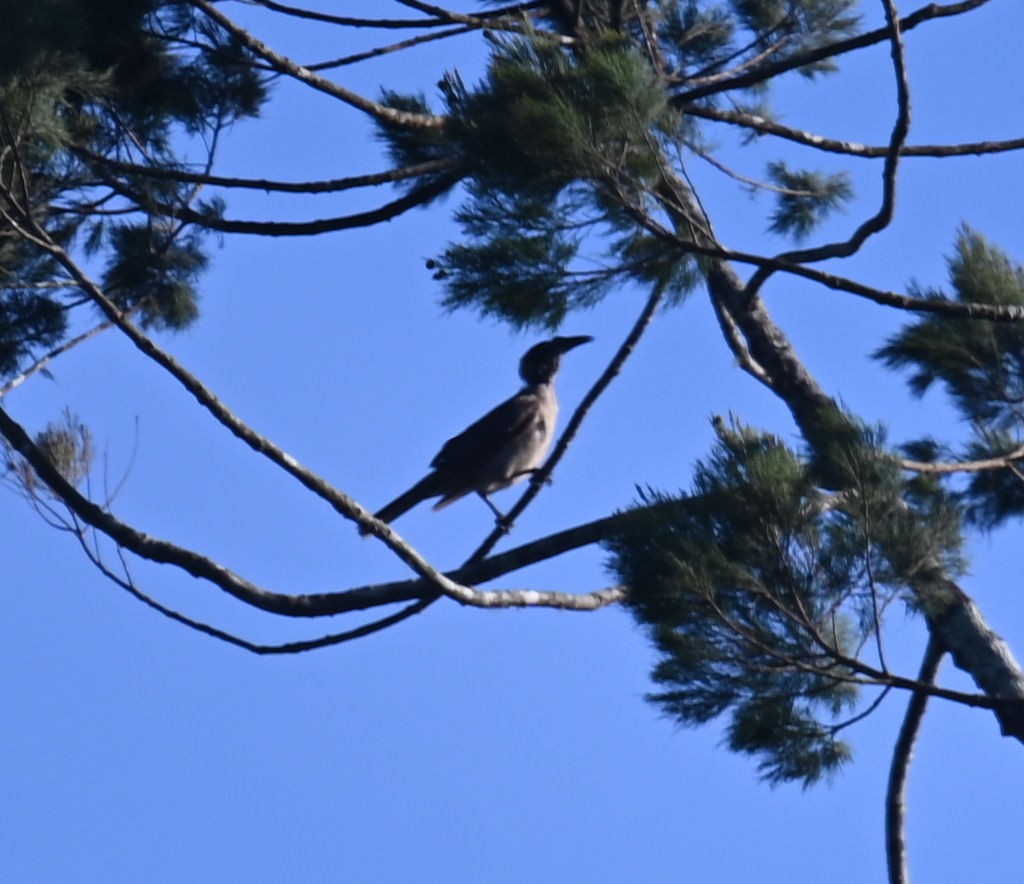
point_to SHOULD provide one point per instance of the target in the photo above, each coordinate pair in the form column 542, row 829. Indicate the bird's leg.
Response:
column 499, row 516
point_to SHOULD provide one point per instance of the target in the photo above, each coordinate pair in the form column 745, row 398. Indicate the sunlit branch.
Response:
column 342, row 503
column 765, row 126
column 1002, row 462
column 201, row 566
column 164, row 552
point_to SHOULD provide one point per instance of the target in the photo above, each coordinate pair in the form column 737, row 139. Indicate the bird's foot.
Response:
column 537, row 478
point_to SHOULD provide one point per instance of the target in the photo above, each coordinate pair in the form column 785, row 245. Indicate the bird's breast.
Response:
column 527, row 450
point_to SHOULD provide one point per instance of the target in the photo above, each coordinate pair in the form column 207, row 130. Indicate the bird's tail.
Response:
column 428, row 486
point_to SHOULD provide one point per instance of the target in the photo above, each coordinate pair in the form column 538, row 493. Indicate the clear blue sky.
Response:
column 468, row 746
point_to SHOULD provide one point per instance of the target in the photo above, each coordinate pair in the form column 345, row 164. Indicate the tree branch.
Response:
column 882, row 218
column 336, row 638
column 318, row 605
column 331, row 185
column 418, row 196
column 290, row 68
column 829, row 50
column 896, row 792
column 764, row 126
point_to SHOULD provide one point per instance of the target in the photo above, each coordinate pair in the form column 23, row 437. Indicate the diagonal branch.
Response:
column 45, row 360
column 611, row 371
column 284, row 65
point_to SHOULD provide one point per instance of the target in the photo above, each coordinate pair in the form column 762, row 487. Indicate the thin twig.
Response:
column 43, row 361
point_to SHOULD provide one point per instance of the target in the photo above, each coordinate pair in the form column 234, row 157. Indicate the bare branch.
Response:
column 881, row 219
column 129, row 585
column 711, row 248
column 438, row 16
column 330, row 185
column 896, row 792
column 43, row 361
column 164, row 552
column 418, row 196
column 380, row 51
column 1003, row 462
column 286, row 66
column 829, row 50
column 765, row 126
column 348, row 21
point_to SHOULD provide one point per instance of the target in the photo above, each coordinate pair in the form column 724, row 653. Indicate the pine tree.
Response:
column 764, row 586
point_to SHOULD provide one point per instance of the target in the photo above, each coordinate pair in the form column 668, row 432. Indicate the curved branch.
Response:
column 330, row 185
column 317, row 605
column 882, row 218
column 896, row 791
column 348, row 21
column 713, row 249
column 336, row 638
column 418, row 196
column 829, row 50
column 202, row 566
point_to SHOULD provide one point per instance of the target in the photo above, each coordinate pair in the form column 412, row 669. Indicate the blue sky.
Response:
column 465, row 745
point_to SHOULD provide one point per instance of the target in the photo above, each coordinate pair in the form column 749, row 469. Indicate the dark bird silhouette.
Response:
column 503, row 446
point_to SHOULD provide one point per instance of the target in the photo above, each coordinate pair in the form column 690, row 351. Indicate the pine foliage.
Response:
column 760, row 591
column 980, row 365
column 84, row 83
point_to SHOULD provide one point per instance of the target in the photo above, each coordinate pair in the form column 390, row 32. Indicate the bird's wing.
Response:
column 484, row 440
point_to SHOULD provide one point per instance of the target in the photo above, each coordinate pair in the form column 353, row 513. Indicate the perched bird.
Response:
column 503, row 446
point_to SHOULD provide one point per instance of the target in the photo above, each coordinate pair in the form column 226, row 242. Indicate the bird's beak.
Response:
column 564, row 345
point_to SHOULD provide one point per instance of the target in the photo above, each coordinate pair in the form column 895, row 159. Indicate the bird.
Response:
column 501, row 448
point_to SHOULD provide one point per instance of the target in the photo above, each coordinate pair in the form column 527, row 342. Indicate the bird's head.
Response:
column 540, row 363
